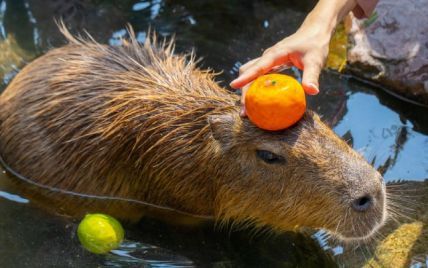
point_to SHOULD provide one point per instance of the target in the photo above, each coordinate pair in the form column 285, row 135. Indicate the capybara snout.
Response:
column 139, row 122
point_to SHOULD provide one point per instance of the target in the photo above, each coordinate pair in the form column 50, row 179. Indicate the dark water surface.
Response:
column 390, row 133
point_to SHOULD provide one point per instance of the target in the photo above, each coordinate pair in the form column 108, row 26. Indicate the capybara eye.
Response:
column 269, row 157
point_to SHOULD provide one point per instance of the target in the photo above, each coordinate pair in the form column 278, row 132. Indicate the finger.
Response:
column 260, row 67
column 244, row 67
column 311, row 73
column 296, row 59
column 282, row 67
column 243, row 93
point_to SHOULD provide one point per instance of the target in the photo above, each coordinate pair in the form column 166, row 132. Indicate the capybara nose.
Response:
column 363, row 203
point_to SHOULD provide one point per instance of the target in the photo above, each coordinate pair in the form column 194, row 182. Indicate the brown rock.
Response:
column 391, row 48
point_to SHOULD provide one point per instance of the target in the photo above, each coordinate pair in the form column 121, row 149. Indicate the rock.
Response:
column 391, row 48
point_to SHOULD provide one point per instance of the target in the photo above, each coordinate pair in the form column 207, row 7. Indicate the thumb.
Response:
column 311, row 73
column 244, row 91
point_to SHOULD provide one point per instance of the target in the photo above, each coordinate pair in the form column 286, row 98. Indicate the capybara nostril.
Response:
column 363, row 203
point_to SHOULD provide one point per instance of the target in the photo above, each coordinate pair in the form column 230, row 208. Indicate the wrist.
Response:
column 318, row 25
column 316, row 28
column 327, row 14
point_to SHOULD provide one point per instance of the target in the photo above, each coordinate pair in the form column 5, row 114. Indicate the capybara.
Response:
column 137, row 121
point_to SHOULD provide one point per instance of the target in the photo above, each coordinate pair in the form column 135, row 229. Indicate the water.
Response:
column 390, row 133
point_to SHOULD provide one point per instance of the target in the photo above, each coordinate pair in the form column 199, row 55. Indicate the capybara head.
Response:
column 136, row 121
column 301, row 176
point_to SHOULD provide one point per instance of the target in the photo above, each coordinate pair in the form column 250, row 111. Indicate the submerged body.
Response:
column 139, row 122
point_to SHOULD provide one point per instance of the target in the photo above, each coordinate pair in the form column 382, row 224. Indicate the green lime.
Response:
column 100, row 233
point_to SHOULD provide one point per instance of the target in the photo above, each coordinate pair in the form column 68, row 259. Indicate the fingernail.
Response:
column 242, row 113
column 315, row 90
column 232, row 83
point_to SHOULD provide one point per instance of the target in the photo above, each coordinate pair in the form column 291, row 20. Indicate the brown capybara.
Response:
column 136, row 121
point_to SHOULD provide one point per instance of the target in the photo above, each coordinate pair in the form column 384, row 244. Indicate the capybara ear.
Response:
column 222, row 126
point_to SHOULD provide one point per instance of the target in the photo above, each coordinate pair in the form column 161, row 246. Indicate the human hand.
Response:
column 307, row 49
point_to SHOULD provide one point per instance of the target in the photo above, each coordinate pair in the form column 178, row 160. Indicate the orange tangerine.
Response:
column 275, row 102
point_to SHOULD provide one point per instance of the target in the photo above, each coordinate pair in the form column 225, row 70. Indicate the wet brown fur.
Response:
column 140, row 122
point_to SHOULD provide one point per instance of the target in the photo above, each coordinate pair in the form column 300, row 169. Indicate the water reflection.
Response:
column 383, row 138
column 13, row 197
column 146, row 255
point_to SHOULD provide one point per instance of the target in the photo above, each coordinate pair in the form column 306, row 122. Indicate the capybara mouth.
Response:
column 359, row 230
column 350, row 227
column 353, row 213
column 362, row 222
